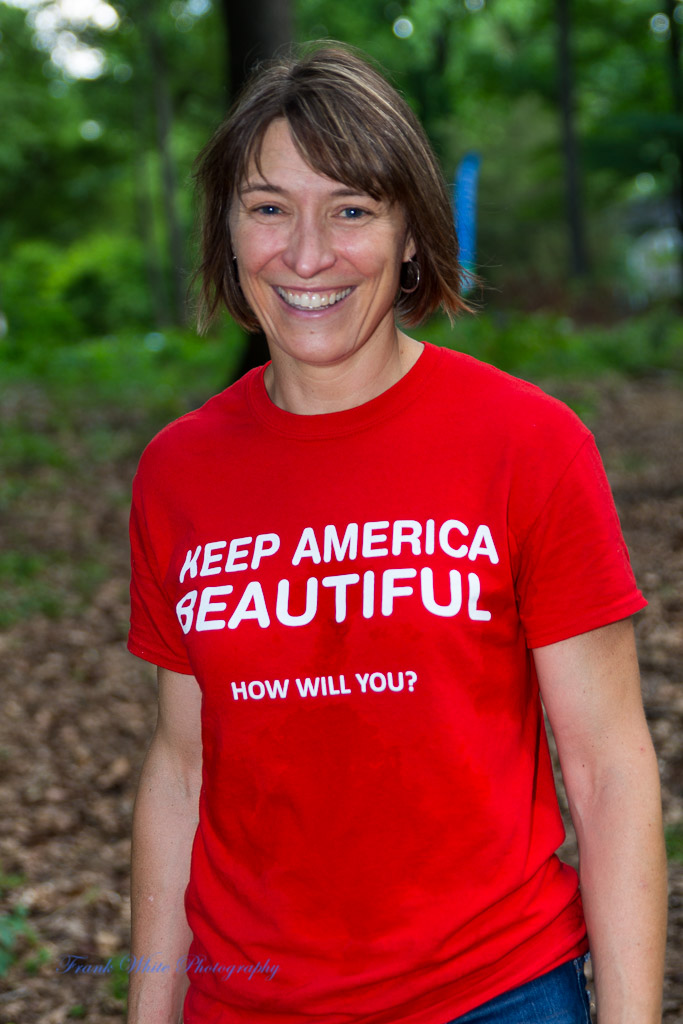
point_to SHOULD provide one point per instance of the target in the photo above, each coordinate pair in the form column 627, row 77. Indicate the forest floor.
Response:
column 76, row 711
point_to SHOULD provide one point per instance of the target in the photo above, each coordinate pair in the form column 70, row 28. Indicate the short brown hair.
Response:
column 352, row 126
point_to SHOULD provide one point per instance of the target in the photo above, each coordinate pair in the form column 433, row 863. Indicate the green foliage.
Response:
column 23, row 451
column 119, row 979
column 26, row 587
column 674, row 843
column 9, row 882
column 101, row 280
column 53, row 295
column 33, row 964
column 86, row 233
column 144, row 377
column 540, row 345
column 33, row 310
column 13, row 927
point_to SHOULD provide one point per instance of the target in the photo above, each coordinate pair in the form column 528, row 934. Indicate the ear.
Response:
column 409, row 249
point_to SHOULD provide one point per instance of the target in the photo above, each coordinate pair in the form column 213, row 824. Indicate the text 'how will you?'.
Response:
column 325, row 686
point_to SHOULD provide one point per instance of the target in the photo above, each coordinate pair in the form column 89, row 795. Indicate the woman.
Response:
column 354, row 569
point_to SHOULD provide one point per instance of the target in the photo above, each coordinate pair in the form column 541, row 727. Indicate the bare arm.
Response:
column 590, row 685
column 164, row 824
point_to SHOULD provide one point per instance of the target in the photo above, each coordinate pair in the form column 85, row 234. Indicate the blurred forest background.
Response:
column 575, row 109
column 574, row 106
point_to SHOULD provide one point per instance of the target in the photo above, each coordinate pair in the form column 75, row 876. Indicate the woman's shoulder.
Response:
column 197, row 430
column 503, row 401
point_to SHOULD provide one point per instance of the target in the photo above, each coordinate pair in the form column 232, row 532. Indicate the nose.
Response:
column 309, row 248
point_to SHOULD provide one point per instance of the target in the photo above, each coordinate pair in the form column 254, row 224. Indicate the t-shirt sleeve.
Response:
column 155, row 634
column 575, row 574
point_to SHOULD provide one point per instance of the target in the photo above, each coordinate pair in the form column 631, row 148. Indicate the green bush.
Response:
column 35, row 313
column 13, row 927
column 101, row 280
column 674, row 843
column 538, row 345
column 57, row 296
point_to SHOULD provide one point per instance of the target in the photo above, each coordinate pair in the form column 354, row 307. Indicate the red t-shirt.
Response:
column 357, row 594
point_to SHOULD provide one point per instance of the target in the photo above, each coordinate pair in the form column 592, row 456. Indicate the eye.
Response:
column 353, row 213
column 268, row 209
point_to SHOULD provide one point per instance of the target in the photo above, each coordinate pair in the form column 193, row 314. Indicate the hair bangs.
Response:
column 333, row 146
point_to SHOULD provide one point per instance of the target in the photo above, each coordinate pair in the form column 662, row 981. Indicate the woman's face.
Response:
column 318, row 263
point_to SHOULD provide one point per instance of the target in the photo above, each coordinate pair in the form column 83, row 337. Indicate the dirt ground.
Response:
column 76, row 710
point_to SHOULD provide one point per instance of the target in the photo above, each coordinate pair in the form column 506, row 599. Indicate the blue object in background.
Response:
column 465, row 213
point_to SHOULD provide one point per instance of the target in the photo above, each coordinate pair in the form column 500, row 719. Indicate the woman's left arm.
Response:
column 590, row 686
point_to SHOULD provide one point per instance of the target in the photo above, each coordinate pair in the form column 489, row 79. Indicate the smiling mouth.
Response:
column 312, row 300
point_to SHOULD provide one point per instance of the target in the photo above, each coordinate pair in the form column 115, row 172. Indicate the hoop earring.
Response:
column 410, row 272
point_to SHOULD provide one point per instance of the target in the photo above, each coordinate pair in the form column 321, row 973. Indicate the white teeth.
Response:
column 312, row 300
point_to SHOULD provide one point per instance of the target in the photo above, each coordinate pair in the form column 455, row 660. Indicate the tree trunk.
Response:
column 164, row 121
column 144, row 207
column 145, row 218
column 578, row 253
column 677, row 98
column 256, row 30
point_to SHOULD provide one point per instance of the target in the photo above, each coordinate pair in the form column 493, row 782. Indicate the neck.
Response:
column 309, row 389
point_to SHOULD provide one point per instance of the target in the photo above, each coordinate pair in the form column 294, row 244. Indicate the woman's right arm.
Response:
column 164, row 824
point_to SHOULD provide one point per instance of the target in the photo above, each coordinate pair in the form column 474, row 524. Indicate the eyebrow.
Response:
column 266, row 187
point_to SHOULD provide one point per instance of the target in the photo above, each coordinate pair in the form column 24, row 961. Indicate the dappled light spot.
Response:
column 403, row 28
column 123, row 72
column 154, row 341
column 52, row 23
column 659, row 25
column 90, row 130
column 645, row 183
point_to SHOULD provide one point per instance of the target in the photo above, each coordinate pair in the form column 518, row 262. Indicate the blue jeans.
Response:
column 558, row 997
